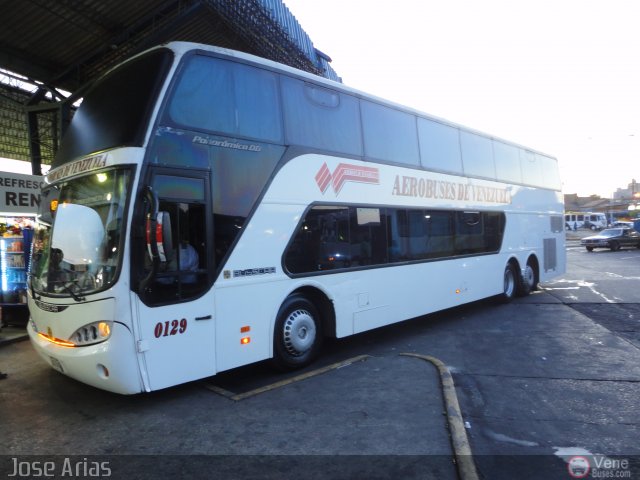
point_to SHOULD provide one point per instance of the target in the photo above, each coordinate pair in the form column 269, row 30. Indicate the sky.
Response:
column 560, row 76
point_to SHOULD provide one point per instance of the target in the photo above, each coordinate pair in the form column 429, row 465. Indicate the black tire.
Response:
column 589, row 249
column 297, row 335
column 510, row 284
column 528, row 281
column 614, row 246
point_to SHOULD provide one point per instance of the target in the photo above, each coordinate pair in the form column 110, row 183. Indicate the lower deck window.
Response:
column 337, row 236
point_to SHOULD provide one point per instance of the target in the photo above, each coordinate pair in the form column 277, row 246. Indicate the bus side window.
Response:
column 368, row 234
column 183, row 274
column 441, row 238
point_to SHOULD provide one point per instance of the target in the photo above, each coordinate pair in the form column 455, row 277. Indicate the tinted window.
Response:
column 183, row 272
column 418, row 234
column 398, row 231
column 441, row 239
column 389, row 134
column 368, row 236
column 321, row 118
column 332, row 237
column 238, row 179
column 176, row 147
column 116, row 111
column 439, row 146
column 478, row 232
column 232, row 98
column 179, row 188
column 322, row 241
column 477, row 155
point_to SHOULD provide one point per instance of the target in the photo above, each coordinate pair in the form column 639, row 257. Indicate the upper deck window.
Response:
column 220, row 96
column 439, row 146
column 320, row 117
column 477, row 155
column 389, row 134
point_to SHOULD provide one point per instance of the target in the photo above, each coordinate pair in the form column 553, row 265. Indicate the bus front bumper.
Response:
column 110, row 365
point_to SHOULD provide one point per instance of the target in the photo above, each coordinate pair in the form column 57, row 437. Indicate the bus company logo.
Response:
column 578, row 467
column 79, row 166
column 343, row 173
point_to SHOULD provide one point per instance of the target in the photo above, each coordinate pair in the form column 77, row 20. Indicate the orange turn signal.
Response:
column 57, row 341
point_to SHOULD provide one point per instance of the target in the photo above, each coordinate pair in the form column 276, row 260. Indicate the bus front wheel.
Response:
column 297, row 336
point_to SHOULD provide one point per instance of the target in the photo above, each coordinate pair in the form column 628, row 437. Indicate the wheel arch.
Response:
column 514, row 261
column 305, row 317
column 322, row 302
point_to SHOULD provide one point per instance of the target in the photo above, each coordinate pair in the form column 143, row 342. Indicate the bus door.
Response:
column 175, row 310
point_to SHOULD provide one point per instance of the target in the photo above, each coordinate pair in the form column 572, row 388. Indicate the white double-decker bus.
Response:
column 208, row 209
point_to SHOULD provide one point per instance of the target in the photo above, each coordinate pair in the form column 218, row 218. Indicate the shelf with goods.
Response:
column 15, row 244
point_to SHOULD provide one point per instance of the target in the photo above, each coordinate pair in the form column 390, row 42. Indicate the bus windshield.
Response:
column 68, row 264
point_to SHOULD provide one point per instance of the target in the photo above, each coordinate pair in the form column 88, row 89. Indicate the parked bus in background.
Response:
column 591, row 220
column 208, row 209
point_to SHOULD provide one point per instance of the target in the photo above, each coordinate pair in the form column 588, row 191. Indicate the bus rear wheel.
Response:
column 509, row 287
column 297, row 336
column 528, row 281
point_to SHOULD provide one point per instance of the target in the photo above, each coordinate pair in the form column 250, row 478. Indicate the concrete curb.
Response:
column 459, row 441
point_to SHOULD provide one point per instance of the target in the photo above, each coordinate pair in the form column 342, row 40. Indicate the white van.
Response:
column 594, row 221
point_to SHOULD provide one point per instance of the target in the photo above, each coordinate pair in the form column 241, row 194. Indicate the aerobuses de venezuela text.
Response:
column 439, row 189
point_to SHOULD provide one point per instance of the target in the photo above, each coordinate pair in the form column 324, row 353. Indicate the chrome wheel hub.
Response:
column 509, row 282
column 299, row 332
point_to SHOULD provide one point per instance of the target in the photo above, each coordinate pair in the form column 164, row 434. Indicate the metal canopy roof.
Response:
column 68, row 42
column 64, row 44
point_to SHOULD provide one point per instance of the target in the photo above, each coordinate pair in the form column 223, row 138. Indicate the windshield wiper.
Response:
column 74, row 295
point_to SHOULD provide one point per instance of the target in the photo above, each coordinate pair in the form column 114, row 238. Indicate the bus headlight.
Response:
column 95, row 332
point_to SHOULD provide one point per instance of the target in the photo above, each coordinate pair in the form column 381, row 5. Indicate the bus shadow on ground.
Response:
column 390, row 340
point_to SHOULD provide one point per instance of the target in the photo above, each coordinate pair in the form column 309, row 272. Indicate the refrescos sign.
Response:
column 19, row 194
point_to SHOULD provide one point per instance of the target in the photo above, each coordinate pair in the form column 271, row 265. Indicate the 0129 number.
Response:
column 168, row 328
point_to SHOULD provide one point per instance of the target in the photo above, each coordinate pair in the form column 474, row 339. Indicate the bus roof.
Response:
column 181, row 48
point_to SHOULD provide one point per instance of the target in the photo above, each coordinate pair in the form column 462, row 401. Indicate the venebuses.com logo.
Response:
column 598, row 466
column 578, row 467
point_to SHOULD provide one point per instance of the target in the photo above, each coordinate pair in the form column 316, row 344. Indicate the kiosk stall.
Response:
column 19, row 200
